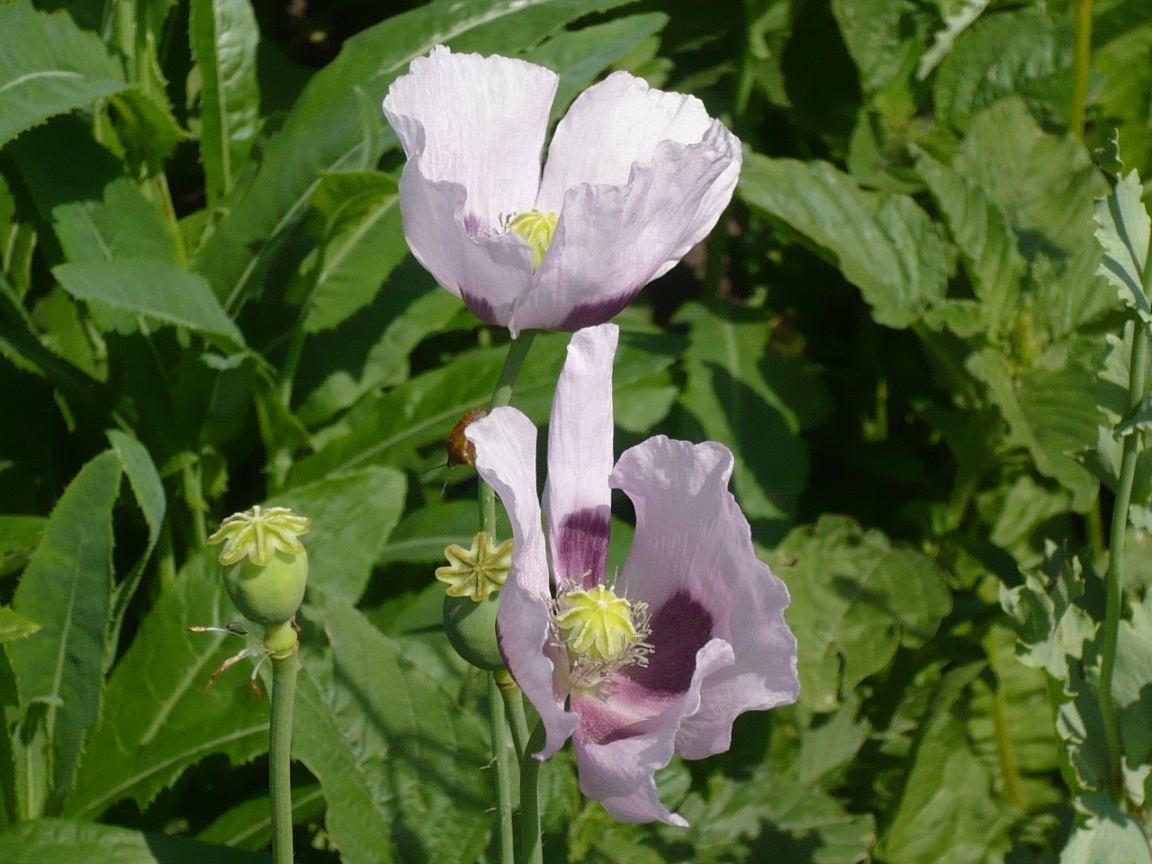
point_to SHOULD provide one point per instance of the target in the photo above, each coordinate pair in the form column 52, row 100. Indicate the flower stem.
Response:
column 501, row 750
column 284, row 668
column 1114, row 577
column 514, row 704
column 531, row 849
column 1081, row 68
column 501, row 396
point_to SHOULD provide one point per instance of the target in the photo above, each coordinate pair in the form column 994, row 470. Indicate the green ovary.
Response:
column 537, row 227
column 596, row 624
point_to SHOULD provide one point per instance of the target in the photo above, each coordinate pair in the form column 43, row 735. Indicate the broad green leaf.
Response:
column 401, row 765
column 583, row 54
column 1051, row 412
column 14, row 626
column 49, row 66
column 1023, row 52
column 994, row 265
column 149, row 492
column 341, row 366
column 19, row 536
column 774, row 818
column 729, row 399
column 884, row 243
column 363, row 242
column 1123, row 228
column 423, row 534
column 947, row 813
column 1132, row 686
column 80, row 189
column 827, row 748
column 855, row 600
column 224, row 37
column 64, row 841
column 424, row 410
column 158, row 719
column 66, row 590
column 1010, row 157
column 324, row 130
column 352, row 515
column 154, row 289
column 249, row 824
column 1107, row 836
column 954, row 24
column 1125, row 87
column 1057, row 634
column 882, row 38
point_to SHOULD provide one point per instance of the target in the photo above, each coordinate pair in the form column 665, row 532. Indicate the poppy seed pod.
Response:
column 267, row 565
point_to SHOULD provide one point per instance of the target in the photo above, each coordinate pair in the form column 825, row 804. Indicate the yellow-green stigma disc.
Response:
column 537, row 227
column 596, row 624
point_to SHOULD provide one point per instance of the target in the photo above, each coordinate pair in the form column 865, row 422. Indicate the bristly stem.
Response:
column 1114, row 577
column 1081, row 68
column 531, row 849
column 501, row 396
column 501, row 749
column 514, row 704
column 284, row 670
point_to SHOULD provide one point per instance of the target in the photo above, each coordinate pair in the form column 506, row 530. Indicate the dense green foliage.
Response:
column 914, row 328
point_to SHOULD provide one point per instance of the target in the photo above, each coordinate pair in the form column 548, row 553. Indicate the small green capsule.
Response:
column 270, row 593
column 471, row 628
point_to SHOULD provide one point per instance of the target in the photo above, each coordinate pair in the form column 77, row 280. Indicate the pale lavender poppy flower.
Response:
column 635, row 177
column 688, row 637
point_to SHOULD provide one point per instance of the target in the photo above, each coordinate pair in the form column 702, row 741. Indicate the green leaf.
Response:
column 157, row 719
column 424, row 410
column 352, row 516
column 877, row 35
column 80, row 189
column 363, row 242
column 954, row 24
column 224, row 36
column 249, row 825
column 149, row 492
column 1051, row 412
column 324, row 131
column 884, row 243
column 1123, row 228
column 49, row 66
column 1107, row 836
column 422, row 535
column 855, row 599
column 63, row 841
column 730, row 400
column 66, row 590
column 401, row 765
column 994, row 265
column 1009, row 156
column 341, row 366
column 1020, row 52
column 774, row 818
column 14, row 626
column 19, row 536
column 947, row 813
column 154, row 289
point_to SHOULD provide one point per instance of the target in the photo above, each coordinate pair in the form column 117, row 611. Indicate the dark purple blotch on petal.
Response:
column 471, row 224
column 582, row 546
column 679, row 628
column 589, row 314
column 481, row 308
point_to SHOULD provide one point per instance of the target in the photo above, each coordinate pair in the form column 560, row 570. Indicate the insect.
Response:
column 460, row 450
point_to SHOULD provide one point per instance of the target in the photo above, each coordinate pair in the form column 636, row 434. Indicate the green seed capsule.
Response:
column 271, row 593
column 471, row 628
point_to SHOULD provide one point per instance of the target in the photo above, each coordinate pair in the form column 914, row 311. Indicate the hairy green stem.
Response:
column 1114, row 577
column 284, row 670
column 1081, row 68
column 501, row 396
column 531, row 849
column 514, row 705
column 501, row 749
